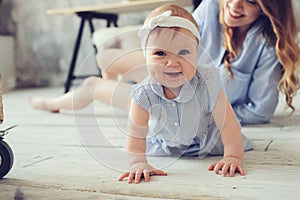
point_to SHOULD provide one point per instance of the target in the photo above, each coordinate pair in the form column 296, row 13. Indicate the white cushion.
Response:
column 117, row 37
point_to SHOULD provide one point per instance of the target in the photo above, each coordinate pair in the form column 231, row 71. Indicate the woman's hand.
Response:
column 139, row 171
column 229, row 164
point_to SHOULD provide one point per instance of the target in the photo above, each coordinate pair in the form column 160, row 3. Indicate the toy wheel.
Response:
column 6, row 158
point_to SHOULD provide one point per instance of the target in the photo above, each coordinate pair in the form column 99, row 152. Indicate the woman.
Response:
column 257, row 57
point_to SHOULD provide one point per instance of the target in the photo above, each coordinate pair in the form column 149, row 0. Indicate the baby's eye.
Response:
column 183, row 52
column 160, row 53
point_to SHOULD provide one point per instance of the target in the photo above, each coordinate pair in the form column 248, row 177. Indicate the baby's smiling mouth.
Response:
column 173, row 74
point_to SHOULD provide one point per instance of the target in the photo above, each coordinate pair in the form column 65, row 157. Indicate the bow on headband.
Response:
column 166, row 20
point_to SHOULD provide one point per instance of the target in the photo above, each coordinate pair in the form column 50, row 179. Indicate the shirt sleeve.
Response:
column 139, row 94
column 213, row 84
column 262, row 92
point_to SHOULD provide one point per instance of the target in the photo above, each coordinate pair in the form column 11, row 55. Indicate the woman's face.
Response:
column 171, row 56
column 240, row 13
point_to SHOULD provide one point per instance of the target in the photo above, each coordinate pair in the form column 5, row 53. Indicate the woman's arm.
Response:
column 260, row 102
column 231, row 138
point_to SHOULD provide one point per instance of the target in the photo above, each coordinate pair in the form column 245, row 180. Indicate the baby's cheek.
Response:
column 152, row 73
column 192, row 60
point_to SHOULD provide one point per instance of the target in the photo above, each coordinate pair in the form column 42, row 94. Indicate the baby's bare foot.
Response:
column 42, row 104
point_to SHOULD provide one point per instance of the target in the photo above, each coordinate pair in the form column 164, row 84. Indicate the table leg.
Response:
column 92, row 29
column 74, row 57
column 86, row 16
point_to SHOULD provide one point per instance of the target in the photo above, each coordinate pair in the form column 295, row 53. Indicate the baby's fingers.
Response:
column 226, row 167
column 158, row 173
column 138, row 176
column 125, row 175
column 131, row 177
column 146, row 175
column 134, row 176
column 211, row 167
column 233, row 169
column 216, row 167
column 240, row 169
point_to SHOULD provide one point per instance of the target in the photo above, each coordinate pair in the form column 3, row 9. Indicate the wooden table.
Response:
column 108, row 12
column 119, row 8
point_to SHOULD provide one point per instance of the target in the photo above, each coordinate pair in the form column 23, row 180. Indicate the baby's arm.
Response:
column 136, row 146
column 231, row 137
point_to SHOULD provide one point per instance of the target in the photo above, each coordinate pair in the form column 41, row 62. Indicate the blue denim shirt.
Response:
column 253, row 90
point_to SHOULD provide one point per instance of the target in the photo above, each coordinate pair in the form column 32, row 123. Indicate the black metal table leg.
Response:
column 86, row 16
column 74, row 57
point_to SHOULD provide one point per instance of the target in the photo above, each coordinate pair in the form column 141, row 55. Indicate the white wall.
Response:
column 7, row 67
column 43, row 44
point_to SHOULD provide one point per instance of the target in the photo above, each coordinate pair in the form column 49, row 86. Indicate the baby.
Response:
column 179, row 109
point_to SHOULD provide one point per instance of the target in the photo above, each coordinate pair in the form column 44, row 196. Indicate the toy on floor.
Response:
column 6, row 153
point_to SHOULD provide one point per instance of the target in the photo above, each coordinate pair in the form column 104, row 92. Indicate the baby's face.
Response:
column 171, row 56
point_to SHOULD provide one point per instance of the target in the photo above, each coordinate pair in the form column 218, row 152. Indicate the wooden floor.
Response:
column 78, row 156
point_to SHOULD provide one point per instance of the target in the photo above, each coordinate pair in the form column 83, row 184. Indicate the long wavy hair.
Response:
column 280, row 31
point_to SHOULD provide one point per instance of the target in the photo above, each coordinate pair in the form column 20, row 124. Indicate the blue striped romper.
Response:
column 184, row 125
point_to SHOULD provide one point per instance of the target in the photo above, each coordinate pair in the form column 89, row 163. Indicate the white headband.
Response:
column 166, row 20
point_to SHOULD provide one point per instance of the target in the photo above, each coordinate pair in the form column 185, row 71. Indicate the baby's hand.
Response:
column 229, row 164
column 139, row 171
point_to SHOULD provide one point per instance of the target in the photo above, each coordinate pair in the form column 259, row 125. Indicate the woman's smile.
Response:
column 234, row 14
